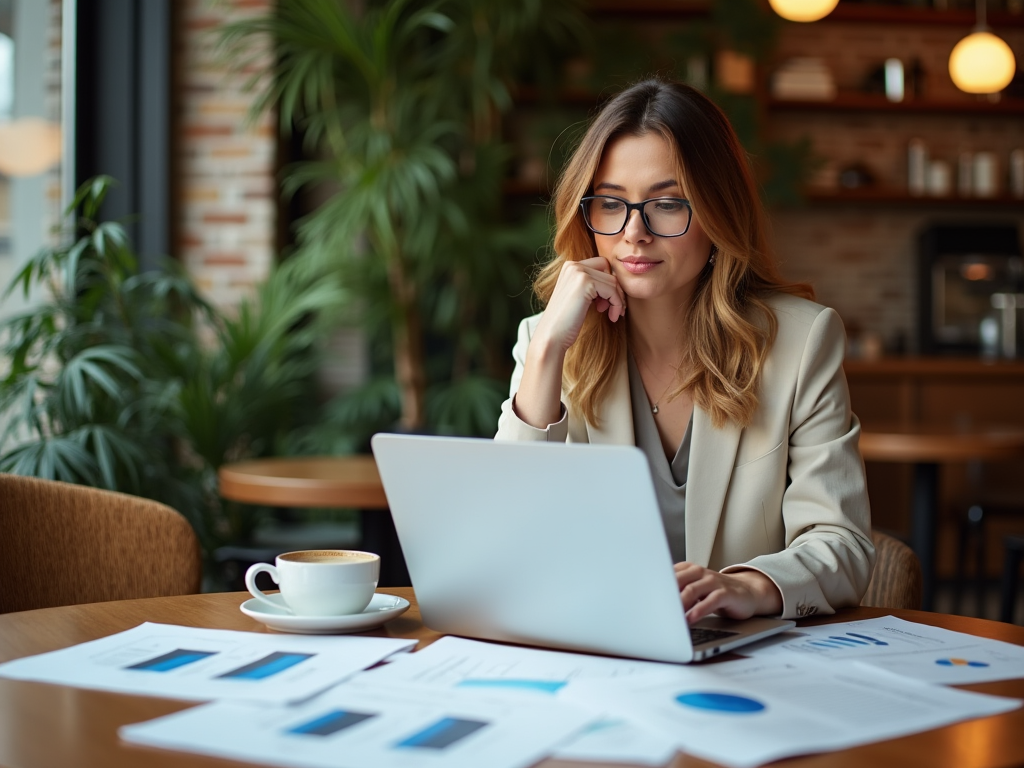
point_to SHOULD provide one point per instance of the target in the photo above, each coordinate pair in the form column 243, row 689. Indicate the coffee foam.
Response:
column 328, row 556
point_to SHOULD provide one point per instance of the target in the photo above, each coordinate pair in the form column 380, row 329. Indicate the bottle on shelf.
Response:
column 985, row 178
column 917, row 167
column 940, row 178
column 894, row 81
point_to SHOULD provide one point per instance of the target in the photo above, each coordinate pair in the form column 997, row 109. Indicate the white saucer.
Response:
column 382, row 608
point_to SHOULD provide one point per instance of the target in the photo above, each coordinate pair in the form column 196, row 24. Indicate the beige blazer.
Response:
column 786, row 495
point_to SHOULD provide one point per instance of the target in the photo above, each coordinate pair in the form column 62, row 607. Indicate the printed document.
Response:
column 511, row 671
column 355, row 725
column 748, row 712
column 178, row 662
column 907, row 648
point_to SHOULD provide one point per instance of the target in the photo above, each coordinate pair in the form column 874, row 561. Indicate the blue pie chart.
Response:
column 720, row 702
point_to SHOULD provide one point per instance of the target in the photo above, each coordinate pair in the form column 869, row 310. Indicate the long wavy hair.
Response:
column 729, row 324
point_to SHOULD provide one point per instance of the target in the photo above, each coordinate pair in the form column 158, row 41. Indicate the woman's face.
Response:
column 638, row 168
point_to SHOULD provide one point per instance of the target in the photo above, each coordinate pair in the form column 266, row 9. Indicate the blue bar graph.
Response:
column 847, row 640
column 869, row 639
column 170, row 661
column 331, row 723
column 540, row 686
column 442, row 734
column 267, row 666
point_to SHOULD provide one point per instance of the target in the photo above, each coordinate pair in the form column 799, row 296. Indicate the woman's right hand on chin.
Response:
column 581, row 284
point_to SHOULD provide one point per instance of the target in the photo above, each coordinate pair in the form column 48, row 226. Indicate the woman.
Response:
column 667, row 326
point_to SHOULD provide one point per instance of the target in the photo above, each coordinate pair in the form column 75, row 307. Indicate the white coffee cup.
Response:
column 320, row 582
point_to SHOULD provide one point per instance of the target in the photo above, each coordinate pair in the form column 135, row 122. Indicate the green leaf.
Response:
column 56, row 458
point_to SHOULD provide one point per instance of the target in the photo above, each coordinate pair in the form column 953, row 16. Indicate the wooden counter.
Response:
column 952, row 391
column 931, row 366
column 947, row 390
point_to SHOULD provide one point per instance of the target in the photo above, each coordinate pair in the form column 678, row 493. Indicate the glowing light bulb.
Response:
column 981, row 63
column 803, row 10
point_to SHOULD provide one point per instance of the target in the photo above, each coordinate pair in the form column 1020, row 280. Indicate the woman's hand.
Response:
column 737, row 595
column 581, row 284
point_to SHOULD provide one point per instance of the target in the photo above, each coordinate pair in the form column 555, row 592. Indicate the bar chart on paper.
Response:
column 206, row 664
column 333, row 722
column 386, row 726
column 919, row 651
column 172, row 660
column 505, row 670
column 271, row 664
column 442, row 734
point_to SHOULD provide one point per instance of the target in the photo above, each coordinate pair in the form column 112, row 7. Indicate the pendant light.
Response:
column 981, row 62
column 803, row 10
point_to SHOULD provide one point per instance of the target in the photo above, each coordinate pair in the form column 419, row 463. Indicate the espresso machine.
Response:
column 970, row 290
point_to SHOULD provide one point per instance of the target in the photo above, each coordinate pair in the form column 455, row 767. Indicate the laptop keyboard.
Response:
column 701, row 635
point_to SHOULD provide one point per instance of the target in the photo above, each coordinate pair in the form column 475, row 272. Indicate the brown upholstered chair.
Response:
column 896, row 581
column 63, row 544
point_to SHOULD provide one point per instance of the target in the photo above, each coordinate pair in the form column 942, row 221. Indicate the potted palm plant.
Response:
column 400, row 103
column 130, row 381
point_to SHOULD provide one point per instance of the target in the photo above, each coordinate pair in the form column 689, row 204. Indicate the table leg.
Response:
column 379, row 535
column 923, row 525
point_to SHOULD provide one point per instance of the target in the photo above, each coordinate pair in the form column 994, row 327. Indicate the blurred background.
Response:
column 244, row 228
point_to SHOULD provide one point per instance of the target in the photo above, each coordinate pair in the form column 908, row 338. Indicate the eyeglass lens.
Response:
column 665, row 216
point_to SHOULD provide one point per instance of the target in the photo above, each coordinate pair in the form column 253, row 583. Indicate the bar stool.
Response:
column 1013, row 553
column 972, row 541
column 927, row 447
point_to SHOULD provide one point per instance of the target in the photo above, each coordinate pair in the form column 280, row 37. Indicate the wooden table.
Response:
column 323, row 481
column 46, row 725
column 926, row 446
column 314, row 481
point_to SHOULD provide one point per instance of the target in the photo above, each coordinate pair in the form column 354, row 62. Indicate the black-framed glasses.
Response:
column 663, row 216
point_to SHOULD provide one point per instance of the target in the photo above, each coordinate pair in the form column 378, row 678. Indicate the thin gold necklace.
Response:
column 654, row 406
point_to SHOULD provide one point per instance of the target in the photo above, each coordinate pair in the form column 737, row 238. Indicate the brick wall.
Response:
column 33, row 224
column 225, row 167
column 861, row 256
column 55, row 201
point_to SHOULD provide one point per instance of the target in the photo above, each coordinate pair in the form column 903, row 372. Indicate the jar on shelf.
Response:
column 985, row 178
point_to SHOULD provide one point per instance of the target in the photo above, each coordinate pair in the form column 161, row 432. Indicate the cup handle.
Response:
column 250, row 584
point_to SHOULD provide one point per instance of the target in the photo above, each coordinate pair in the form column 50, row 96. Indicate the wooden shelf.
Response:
column 862, row 196
column 934, row 366
column 857, row 13
column 900, row 197
column 869, row 13
column 851, row 101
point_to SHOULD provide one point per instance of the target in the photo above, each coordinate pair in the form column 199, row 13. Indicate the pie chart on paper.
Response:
column 725, row 703
column 960, row 663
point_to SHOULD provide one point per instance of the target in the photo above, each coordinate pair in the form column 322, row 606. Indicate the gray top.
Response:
column 669, row 479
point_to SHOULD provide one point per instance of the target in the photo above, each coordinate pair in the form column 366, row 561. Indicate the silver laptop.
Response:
column 544, row 544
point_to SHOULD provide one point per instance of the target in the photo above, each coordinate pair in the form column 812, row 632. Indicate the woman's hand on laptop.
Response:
column 737, row 595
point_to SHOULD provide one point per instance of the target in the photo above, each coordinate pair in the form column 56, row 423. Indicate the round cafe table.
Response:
column 323, row 481
column 47, row 725
column 313, row 481
column 927, row 446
